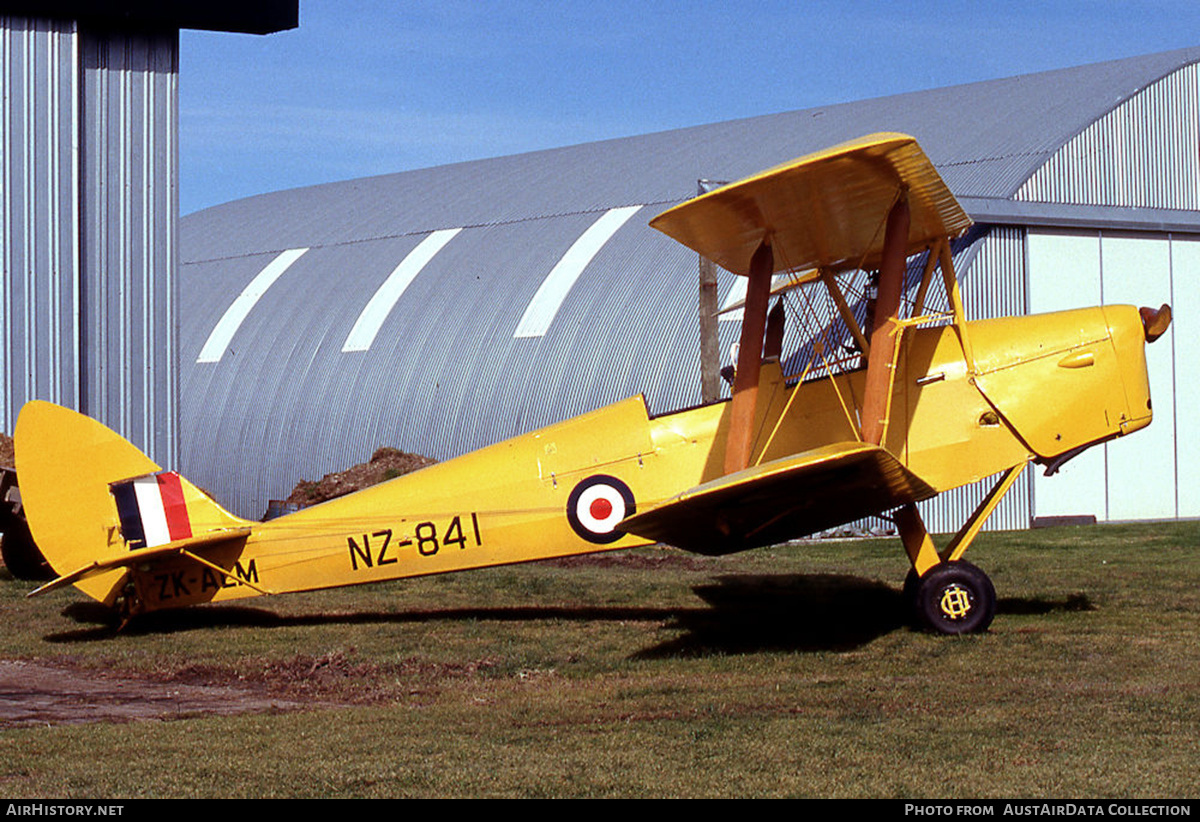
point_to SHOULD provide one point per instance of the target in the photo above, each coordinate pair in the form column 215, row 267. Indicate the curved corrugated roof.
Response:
column 457, row 357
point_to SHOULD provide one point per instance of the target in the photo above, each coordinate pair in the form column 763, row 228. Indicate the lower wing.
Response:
column 782, row 499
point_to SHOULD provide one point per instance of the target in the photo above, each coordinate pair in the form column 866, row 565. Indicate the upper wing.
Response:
column 782, row 499
column 825, row 209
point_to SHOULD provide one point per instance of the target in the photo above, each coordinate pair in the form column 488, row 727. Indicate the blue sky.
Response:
column 370, row 87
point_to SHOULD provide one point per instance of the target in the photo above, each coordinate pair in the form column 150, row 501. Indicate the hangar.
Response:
column 89, row 161
column 444, row 309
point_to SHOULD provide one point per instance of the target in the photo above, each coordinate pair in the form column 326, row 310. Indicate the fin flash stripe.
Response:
column 152, row 510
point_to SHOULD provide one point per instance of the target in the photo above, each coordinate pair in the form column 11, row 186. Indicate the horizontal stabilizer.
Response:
column 825, row 209
column 782, row 499
column 181, row 546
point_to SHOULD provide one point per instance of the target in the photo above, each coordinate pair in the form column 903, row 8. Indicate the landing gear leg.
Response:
column 128, row 605
column 944, row 593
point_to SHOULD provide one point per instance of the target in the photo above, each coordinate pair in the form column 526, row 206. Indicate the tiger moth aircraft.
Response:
column 893, row 403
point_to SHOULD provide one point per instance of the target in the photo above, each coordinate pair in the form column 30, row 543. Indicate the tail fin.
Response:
column 92, row 498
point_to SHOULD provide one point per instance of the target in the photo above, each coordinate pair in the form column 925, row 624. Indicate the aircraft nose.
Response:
column 1155, row 322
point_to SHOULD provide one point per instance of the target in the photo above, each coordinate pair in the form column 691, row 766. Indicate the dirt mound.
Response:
column 7, row 454
column 385, row 464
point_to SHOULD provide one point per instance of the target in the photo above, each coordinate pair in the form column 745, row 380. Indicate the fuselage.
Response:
column 966, row 403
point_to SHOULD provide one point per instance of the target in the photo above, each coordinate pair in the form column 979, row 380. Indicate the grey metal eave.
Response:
column 1000, row 211
column 243, row 16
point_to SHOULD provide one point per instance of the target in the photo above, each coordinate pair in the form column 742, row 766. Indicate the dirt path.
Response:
column 36, row 694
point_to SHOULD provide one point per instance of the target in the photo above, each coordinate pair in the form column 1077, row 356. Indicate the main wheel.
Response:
column 954, row 598
column 17, row 548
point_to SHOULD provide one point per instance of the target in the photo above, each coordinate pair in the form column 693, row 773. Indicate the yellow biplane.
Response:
column 917, row 402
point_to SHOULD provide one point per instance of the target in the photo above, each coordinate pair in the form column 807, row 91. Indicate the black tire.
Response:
column 21, row 556
column 909, row 592
column 954, row 598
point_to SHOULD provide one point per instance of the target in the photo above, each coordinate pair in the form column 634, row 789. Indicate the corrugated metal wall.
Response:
column 1141, row 154
column 39, row 213
column 1144, row 153
column 130, row 205
column 89, row 225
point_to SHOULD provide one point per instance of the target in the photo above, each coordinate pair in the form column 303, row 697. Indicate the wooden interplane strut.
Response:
column 750, row 350
column 883, row 334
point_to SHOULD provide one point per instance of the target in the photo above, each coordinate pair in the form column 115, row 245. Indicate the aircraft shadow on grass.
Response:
column 742, row 614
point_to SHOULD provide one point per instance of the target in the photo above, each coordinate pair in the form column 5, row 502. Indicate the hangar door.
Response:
column 1155, row 473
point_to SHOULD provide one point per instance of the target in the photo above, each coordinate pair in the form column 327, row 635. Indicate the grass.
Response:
column 783, row 672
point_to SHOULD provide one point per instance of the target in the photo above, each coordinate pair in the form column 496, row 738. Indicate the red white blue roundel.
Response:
column 597, row 505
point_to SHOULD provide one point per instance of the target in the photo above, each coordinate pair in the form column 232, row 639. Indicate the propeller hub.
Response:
column 1155, row 322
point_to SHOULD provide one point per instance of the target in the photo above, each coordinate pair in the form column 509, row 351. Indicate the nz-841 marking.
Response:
column 377, row 548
